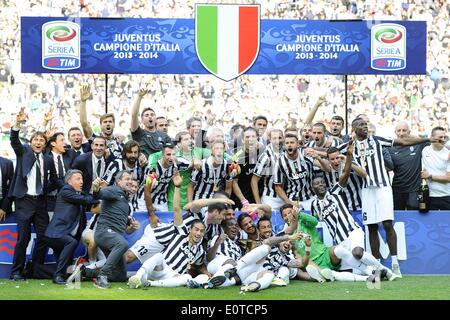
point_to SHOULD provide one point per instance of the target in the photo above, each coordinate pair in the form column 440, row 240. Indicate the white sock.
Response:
column 347, row 258
column 370, row 260
column 172, row 282
column 201, row 279
column 394, row 260
column 265, row 280
column 348, row 276
column 283, row 273
column 229, row 282
column 92, row 261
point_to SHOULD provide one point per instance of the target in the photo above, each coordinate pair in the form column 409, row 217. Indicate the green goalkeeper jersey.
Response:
column 197, row 153
column 307, row 224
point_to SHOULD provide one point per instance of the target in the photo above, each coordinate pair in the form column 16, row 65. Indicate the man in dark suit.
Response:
column 76, row 142
column 6, row 175
column 62, row 159
column 69, row 220
column 93, row 164
column 34, row 177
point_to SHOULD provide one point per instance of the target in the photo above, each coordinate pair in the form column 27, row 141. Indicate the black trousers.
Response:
column 406, row 200
column 63, row 249
column 30, row 211
column 440, row 203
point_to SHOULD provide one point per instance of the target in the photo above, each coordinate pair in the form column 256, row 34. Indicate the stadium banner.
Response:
column 169, row 46
column 422, row 240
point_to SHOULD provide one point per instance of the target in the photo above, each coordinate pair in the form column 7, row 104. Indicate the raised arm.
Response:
column 312, row 113
column 196, row 205
column 273, row 241
column 255, row 188
column 85, row 94
column 135, row 110
column 14, row 137
column 177, row 216
column 348, row 165
column 149, row 204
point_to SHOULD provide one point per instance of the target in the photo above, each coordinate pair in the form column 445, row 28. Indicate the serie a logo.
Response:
column 388, row 47
column 61, row 45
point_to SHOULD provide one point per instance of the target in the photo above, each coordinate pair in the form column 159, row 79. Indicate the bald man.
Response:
column 407, row 167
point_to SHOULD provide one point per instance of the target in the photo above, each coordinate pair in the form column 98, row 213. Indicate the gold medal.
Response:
column 188, row 267
column 215, row 189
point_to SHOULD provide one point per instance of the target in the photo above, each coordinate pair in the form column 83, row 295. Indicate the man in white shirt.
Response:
column 436, row 169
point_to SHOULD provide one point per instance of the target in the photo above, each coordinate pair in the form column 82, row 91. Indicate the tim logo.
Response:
column 61, row 45
column 388, row 47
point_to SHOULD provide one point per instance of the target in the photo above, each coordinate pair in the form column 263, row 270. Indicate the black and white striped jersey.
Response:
column 277, row 259
column 113, row 145
column 368, row 155
column 295, row 176
column 164, row 176
column 116, row 166
column 333, row 211
column 228, row 248
column 209, row 179
column 164, row 234
column 180, row 254
column 265, row 169
column 351, row 194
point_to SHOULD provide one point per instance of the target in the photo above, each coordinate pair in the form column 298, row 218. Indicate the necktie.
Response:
column 60, row 168
column 99, row 169
column 38, row 176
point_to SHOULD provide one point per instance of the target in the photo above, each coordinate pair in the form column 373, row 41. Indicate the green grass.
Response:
column 410, row 288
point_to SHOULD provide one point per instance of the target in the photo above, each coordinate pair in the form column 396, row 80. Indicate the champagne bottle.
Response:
column 424, row 197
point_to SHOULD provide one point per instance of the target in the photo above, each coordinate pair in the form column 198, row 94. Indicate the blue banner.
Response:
column 167, row 46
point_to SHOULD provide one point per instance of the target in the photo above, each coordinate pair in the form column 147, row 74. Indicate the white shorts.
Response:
column 216, row 263
column 274, row 203
column 355, row 239
column 377, row 205
column 147, row 246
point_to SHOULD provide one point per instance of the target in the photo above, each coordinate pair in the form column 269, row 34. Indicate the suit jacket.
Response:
column 24, row 163
column 84, row 163
column 69, row 210
column 7, row 169
column 68, row 158
column 86, row 147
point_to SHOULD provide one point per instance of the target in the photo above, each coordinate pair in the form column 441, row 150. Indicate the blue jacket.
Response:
column 69, row 210
column 24, row 162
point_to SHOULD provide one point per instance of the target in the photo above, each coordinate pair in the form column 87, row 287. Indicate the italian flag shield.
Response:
column 227, row 38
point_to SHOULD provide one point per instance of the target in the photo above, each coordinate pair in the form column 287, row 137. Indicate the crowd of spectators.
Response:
column 420, row 100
